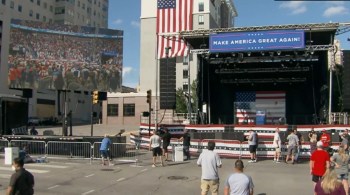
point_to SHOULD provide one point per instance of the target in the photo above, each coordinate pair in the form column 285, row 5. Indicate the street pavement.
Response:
column 67, row 176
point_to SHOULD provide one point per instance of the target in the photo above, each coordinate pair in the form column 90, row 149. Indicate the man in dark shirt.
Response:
column 22, row 181
column 166, row 142
column 186, row 138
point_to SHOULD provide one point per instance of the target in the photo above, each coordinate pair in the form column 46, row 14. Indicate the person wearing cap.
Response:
column 106, row 142
column 210, row 162
column 319, row 162
column 326, row 139
column 238, row 182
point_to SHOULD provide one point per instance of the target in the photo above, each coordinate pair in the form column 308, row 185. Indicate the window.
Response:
column 45, row 5
column 12, row 4
column 78, row 3
column 185, row 60
column 44, row 18
column 83, row 6
column 31, row 13
column 51, row 8
column 20, row 8
column 37, row 16
column 185, row 86
column 185, row 74
column 129, row 110
column 201, row 19
column 38, row 2
column 201, row 6
column 112, row 110
column 3, row 2
column 59, row 10
column 32, row 1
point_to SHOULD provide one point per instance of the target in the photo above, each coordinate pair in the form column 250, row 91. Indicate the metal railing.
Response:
column 341, row 118
column 170, row 118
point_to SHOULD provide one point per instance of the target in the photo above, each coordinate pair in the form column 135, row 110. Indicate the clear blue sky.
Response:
column 125, row 15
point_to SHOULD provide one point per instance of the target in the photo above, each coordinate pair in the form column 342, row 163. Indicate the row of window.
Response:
column 128, row 110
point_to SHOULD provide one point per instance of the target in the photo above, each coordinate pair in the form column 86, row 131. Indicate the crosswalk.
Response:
column 35, row 168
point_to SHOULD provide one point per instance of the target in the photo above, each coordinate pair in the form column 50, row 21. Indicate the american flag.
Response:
column 248, row 104
column 173, row 16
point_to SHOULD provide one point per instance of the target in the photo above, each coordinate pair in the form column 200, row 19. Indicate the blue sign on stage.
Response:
column 257, row 41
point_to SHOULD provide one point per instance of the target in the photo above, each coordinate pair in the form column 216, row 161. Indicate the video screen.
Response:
column 64, row 57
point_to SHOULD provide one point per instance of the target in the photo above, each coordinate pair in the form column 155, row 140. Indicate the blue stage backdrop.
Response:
column 257, row 41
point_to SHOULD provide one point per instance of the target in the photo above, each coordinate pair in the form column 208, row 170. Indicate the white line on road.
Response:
column 30, row 170
column 90, row 175
column 52, row 187
column 143, row 170
column 88, row 192
column 120, row 179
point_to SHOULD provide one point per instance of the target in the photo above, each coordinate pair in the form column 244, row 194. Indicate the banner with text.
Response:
column 257, row 41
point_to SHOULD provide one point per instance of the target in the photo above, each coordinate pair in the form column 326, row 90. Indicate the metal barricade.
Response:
column 34, row 148
column 58, row 149
column 124, row 152
column 3, row 144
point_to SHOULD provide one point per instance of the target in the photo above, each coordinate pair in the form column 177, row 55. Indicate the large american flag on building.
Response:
column 248, row 104
column 173, row 16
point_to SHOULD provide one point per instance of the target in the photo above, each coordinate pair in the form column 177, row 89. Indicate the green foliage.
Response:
column 181, row 99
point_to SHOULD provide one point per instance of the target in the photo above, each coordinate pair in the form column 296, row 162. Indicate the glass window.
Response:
column 185, row 86
column 37, row 16
column 112, row 110
column 83, row 6
column 185, row 60
column 20, row 8
column 44, row 18
column 31, row 13
column 45, row 5
column 185, row 74
column 201, row 19
column 201, row 6
column 51, row 8
column 38, row 2
column 12, row 4
column 32, row 1
column 78, row 3
column 129, row 110
column 3, row 2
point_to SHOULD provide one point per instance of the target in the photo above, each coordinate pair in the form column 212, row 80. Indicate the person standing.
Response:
column 166, row 142
column 154, row 145
column 319, row 162
column 313, row 140
column 329, row 185
column 300, row 141
column 252, row 142
column 106, row 142
column 22, row 181
column 341, row 161
column 293, row 143
column 326, row 139
column 238, row 182
column 345, row 139
column 186, row 139
column 278, row 145
column 210, row 162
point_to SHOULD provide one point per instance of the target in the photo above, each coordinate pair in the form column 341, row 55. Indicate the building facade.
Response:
column 73, row 12
column 173, row 73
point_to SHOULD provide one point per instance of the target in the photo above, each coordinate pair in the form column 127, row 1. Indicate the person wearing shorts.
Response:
column 277, row 145
column 154, row 145
column 293, row 143
column 319, row 162
column 166, row 142
column 253, row 145
column 341, row 162
column 106, row 142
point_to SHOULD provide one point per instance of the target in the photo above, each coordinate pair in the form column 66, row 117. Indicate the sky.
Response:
column 125, row 15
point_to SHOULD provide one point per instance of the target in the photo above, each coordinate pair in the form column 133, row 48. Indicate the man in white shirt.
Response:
column 154, row 145
column 277, row 144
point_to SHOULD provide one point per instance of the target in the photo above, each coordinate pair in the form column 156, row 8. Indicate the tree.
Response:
column 182, row 98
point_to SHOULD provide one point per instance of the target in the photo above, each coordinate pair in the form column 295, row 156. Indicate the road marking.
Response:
column 143, row 170
column 52, row 187
column 88, row 192
column 30, row 170
column 46, row 165
column 120, row 179
column 90, row 175
column 5, row 176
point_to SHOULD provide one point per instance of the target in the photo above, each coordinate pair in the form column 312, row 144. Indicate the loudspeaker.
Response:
column 27, row 93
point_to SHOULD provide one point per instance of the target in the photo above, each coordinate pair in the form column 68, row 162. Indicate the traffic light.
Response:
column 149, row 96
column 95, row 97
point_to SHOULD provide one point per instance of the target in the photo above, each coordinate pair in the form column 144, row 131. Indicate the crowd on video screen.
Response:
column 41, row 57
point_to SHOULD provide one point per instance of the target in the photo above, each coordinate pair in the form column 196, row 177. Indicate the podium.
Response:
column 179, row 154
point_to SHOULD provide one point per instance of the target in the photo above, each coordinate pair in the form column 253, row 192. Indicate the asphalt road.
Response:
column 68, row 176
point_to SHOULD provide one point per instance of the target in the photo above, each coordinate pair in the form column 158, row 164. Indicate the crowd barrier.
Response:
column 125, row 152
column 230, row 148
